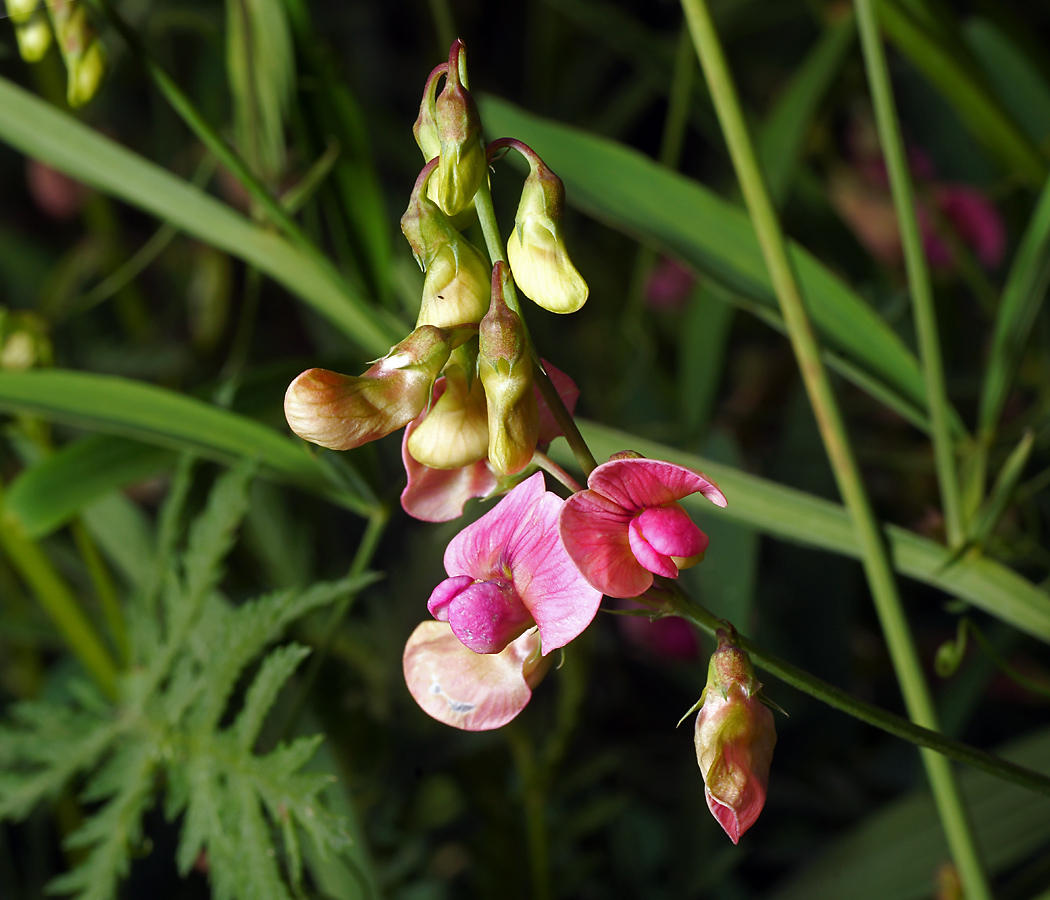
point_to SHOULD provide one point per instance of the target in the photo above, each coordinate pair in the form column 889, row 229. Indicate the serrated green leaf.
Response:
column 272, row 676
column 43, row 132
column 681, row 217
column 166, row 419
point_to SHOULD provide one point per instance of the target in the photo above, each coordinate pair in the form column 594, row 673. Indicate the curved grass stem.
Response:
column 954, row 818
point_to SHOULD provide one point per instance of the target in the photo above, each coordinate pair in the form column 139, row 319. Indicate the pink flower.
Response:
column 628, row 525
column 439, row 495
column 734, row 740
column 509, row 571
column 468, row 690
column 668, row 284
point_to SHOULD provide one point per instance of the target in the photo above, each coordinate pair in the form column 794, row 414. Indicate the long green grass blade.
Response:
column 681, row 217
column 164, row 418
column 41, row 131
column 896, row 852
column 964, row 89
column 802, row 518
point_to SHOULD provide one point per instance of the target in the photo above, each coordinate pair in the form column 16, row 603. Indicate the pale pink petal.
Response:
column 548, row 582
column 468, row 690
column 594, row 532
column 487, row 616
column 569, row 394
column 670, row 531
column 480, row 548
column 638, row 483
column 656, row 562
column 445, row 593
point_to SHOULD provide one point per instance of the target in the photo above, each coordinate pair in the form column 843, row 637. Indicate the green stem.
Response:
column 534, row 801
column 916, row 267
column 954, row 818
column 362, row 560
column 104, row 589
column 684, row 606
column 557, row 472
column 57, row 600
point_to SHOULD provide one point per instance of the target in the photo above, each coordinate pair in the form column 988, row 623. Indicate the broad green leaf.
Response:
column 1017, row 80
column 683, row 218
column 990, row 122
column 897, row 851
column 50, row 492
column 1022, row 297
column 781, row 137
column 805, row 519
column 174, row 421
column 39, row 130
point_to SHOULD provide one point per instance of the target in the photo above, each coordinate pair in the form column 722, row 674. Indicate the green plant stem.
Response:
column 683, row 605
column 494, row 245
column 235, row 165
column 953, row 815
column 534, row 801
column 104, row 589
column 557, row 472
column 58, row 602
column 362, row 560
column 916, row 267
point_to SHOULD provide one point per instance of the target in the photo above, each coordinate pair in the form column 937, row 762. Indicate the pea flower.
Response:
column 509, row 571
column 628, row 525
column 343, row 411
column 468, row 690
column 734, row 739
column 434, row 494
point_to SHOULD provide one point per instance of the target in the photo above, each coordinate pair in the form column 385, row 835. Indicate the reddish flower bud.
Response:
column 734, row 740
column 463, row 164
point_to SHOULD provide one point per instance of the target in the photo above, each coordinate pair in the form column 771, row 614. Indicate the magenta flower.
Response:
column 439, row 495
column 628, row 525
column 509, row 571
column 468, row 690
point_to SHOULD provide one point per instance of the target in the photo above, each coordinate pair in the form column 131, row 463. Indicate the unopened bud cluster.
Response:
column 76, row 38
column 467, row 370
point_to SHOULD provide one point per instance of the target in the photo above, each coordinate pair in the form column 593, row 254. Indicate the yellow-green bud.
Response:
column 455, row 433
column 21, row 10
column 536, row 248
column 34, row 37
column 82, row 52
column 24, row 342
column 463, row 165
column 505, row 368
column 425, row 127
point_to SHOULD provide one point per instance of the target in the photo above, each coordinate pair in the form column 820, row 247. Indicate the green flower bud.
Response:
column 505, row 368
column 34, row 37
column 24, row 342
column 536, row 248
column 463, row 164
column 82, row 52
column 20, row 11
column 455, row 433
column 425, row 129
column 342, row 411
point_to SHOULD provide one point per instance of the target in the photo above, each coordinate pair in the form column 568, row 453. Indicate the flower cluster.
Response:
column 527, row 577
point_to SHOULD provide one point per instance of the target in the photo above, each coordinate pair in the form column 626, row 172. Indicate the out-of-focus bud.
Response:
column 455, row 432
column 505, row 368
column 21, row 10
column 734, row 739
column 33, row 34
column 456, row 286
column 463, row 164
column 342, row 411
column 82, row 51
column 24, row 342
column 536, row 248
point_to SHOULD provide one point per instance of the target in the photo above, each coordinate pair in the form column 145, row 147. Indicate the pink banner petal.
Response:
column 594, row 531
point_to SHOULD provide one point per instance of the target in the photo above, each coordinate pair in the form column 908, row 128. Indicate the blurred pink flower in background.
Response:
column 55, row 193
column 667, row 638
column 668, row 284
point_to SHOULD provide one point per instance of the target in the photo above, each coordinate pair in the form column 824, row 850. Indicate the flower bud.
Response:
column 463, row 164
column 536, row 248
column 34, row 36
column 20, row 11
column 341, row 411
column 505, row 368
column 425, row 129
column 455, row 432
column 82, row 52
column 734, row 740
